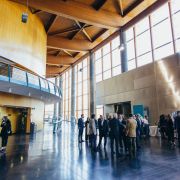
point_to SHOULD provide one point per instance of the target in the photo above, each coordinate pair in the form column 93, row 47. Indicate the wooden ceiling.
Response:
column 74, row 27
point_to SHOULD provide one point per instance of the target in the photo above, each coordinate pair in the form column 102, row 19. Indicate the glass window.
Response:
column 98, row 54
column 79, row 89
column 115, row 42
column 99, row 110
column 130, row 50
column 85, row 62
column 160, row 14
column 142, row 26
column 99, row 78
column 178, row 45
column 131, row 64
column 116, row 57
column 175, row 4
column 163, row 51
column 107, row 74
column 129, row 34
column 85, row 87
column 99, row 66
column 106, row 62
column 80, row 103
column 86, row 113
column 106, row 49
column 162, row 33
column 85, row 102
column 144, row 59
column 117, row 70
column 143, row 43
column 176, row 24
column 85, row 73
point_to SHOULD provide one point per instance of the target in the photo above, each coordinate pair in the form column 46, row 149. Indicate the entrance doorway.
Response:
column 123, row 108
column 19, row 117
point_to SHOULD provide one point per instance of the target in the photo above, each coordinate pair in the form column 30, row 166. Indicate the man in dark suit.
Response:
column 80, row 128
column 103, row 130
column 177, row 126
column 114, row 134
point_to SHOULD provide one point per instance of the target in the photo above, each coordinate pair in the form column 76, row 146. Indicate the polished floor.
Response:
column 46, row 156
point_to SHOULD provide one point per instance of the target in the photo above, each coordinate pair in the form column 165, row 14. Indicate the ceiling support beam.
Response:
column 50, row 23
column 77, row 11
column 97, row 4
column 61, row 60
column 69, row 45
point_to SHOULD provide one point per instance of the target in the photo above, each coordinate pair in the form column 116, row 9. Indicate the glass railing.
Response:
column 16, row 75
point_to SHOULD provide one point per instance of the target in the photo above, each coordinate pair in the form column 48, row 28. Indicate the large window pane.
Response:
column 115, row 42
column 143, row 43
column 163, row 51
column 160, row 14
column 129, row 34
column 107, row 74
column 175, row 4
column 162, row 33
column 142, row 26
column 85, row 73
column 99, row 66
column 106, row 49
column 85, row 62
column 176, row 24
column 85, row 102
column 130, row 50
column 131, row 64
column 98, row 54
column 116, row 70
column 178, row 45
column 79, row 89
column 116, row 57
column 85, row 87
column 106, row 62
column 80, row 103
column 144, row 59
column 99, row 78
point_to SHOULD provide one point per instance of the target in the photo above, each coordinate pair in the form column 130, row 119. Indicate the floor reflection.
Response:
column 59, row 156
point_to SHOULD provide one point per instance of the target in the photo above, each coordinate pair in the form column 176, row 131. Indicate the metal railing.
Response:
column 16, row 75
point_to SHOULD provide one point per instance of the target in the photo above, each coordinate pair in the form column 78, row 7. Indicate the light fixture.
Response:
column 24, row 16
column 121, row 47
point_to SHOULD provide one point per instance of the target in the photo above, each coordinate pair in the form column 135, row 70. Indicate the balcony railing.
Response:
column 16, row 75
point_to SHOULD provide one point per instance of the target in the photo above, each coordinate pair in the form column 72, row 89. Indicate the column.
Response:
column 55, row 111
column 60, row 104
column 123, row 54
column 92, row 84
column 73, row 96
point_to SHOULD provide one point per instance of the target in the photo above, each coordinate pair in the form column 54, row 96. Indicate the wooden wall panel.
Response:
column 23, row 43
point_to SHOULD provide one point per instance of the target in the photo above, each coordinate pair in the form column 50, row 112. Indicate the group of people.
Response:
column 5, row 132
column 169, row 126
column 124, row 133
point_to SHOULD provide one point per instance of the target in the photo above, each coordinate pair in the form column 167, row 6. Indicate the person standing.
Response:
column 114, row 134
column 131, row 135
column 81, row 128
column 103, row 131
column 177, row 126
column 170, row 130
column 138, row 131
column 162, row 125
column 5, row 131
column 93, row 132
column 87, row 129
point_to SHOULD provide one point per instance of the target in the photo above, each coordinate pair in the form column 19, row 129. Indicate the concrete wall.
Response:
column 37, row 106
column 156, row 86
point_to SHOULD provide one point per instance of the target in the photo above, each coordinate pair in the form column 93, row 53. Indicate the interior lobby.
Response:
column 62, row 61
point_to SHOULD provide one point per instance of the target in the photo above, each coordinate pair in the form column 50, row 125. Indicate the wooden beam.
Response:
column 84, row 31
column 76, row 45
column 60, row 60
column 97, row 4
column 77, row 11
column 132, row 6
column 119, row 7
column 54, row 70
column 36, row 11
column 68, row 30
column 50, row 23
